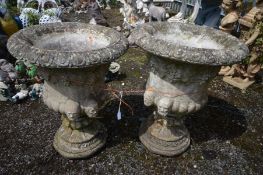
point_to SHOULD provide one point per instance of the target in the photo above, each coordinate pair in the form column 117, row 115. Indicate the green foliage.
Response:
column 246, row 61
column 20, row 68
column 33, row 18
column 31, row 71
column 259, row 40
column 49, row 13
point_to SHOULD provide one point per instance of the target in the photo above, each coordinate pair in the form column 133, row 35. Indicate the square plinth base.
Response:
column 238, row 82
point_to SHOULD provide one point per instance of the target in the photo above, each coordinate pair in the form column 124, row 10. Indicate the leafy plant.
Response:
column 49, row 13
column 33, row 18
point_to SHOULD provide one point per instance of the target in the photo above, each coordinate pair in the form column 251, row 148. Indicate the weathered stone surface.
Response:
column 67, row 45
column 181, row 42
column 183, row 59
column 73, row 58
column 81, row 142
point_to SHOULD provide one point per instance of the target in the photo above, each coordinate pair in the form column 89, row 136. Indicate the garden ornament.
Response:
column 8, row 68
column 180, row 70
column 30, row 14
column 50, row 12
column 73, row 63
column 19, row 96
column 36, row 91
column 158, row 13
column 4, row 92
column 181, row 14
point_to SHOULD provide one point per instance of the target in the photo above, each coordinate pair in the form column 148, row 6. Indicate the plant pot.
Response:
column 73, row 58
column 183, row 59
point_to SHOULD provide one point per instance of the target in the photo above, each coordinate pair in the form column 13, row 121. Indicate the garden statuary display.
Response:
column 188, row 10
column 50, row 12
column 4, row 77
column 158, row 13
column 20, row 4
column 181, row 14
column 194, row 14
column 232, row 10
column 87, row 9
column 113, row 72
column 130, row 17
column 4, row 92
column 40, row 12
column 142, row 7
column 36, row 91
column 251, row 32
column 183, row 59
column 73, row 58
column 21, row 95
column 104, row 4
column 8, row 68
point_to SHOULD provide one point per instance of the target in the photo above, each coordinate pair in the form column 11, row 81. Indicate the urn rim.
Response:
column 22, row 46
column 232, row 51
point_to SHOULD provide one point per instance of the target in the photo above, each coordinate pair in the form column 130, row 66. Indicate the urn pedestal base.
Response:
column 75, row 141
column 164, row 136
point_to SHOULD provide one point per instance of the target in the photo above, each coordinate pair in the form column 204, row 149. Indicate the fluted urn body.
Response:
column 73, row 59
column 183, row 59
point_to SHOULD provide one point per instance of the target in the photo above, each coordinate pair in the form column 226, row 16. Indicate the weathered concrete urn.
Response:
column 73, row 59
column 183, row 58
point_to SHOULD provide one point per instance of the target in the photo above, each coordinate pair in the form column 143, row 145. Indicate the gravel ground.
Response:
column 226, row 134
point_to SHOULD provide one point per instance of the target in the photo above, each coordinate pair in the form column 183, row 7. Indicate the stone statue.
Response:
column 129, row 16
column 8, row 68
column 155, row 12
column 164, row 105
column 142, row 7
column 232, row 9
column 4, row 92
column 36, row 91
column 242, row 75
column 73, row 64
column 20, row 95
column 181, row 14
column 86, row 9
column 193, row 16
column 80, row 5
column 179, row 77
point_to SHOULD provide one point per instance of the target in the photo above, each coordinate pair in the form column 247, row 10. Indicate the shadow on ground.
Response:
column 217, row 120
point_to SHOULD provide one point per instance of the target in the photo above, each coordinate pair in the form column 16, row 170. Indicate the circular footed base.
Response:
column 77, row 144
column 162, row 147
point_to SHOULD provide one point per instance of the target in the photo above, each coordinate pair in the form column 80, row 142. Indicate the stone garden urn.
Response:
column 73, row 58
column 183, row 59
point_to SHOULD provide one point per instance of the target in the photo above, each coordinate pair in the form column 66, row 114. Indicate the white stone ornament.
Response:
column 45, row 19
column 183, row 59
column 73, row 63
column 24, row 15
column 50, row 15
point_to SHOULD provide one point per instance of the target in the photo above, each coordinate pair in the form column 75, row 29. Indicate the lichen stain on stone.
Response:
column 135, row 54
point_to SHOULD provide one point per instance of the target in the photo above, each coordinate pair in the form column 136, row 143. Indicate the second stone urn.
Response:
column 183, row 59
column 73, row 58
